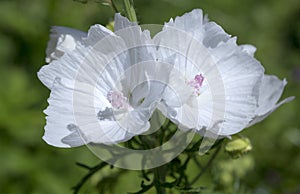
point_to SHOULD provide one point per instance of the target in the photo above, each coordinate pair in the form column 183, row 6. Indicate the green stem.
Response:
column 159, row 179
column 159, row 174
column 114, row 7
column 129, row 10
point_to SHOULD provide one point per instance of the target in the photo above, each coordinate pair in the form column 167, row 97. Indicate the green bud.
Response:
column 110, row 26
column 238, row 147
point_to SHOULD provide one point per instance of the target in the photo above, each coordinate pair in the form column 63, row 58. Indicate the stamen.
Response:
column 117, row 100
column 196, row 83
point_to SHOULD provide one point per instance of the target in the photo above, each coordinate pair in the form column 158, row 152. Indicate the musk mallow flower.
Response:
column 104, row 85
column 230, row 90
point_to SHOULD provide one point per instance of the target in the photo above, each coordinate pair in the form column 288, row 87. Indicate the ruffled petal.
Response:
column 62, row 40
column 95, row 34
column 214, row 34
column 122, row 22
column 65, row 67
column 270, row 92
column 200, row 28
column 139, row 44
column 60, row 118
column 248, row 48
column 87, row 61
column 241, row 77
column 191, row 22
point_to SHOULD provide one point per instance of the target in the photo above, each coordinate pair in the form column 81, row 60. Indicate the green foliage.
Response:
column 229, row 174
column 28, row 165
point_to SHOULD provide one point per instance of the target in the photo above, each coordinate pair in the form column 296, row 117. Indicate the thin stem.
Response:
column 129, row 10
column 83, row 166
column 207, row 165
column 92, row 171
column 182, row 171
column 197, row 163
column 159, row 178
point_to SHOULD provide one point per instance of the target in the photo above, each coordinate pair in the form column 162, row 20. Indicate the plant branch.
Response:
column 92, row 171
column 207, row 165
column 158, row 178
column 144, row 188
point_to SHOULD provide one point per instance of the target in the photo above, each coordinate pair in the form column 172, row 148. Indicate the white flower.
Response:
column 229, row 86
column 102, row 88
column 105, row 86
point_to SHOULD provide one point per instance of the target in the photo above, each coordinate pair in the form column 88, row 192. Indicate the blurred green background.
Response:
column 29, row 165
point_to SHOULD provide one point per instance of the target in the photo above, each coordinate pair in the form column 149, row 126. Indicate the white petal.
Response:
column 145, row 82
column 60, row 115
column 259, row 118
column 177, row 92
column 138, row 43
column 214, row 34
column 95, row 34
column 72, row 110
column 62, row 40
column 241, row 76
column 66, row 67
column 156, row 75
column 186, row 116
column 191, row 22
column 248, row 48
column 205, row 109
column 205, row 19
column 270, row 92
column 87, row 62
column 122, row 22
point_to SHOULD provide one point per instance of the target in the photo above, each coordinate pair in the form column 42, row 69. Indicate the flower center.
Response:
column 196, row 83
column 117, row 100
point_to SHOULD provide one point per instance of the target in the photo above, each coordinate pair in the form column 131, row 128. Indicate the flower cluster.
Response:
column 106, row 85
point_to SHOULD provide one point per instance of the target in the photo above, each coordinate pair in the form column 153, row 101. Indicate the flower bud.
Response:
column 238, row 147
